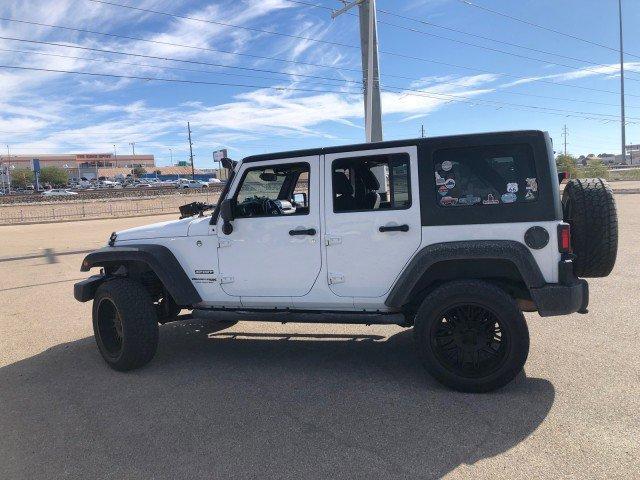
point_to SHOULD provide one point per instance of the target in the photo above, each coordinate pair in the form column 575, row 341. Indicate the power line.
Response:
column 439, row 96
column 312, row 39
column 166, row 67
column 497, row 50
column 264, row 57
column 476, row 101
column 163, row 67
column 312, row 76
column 174, row 80
column 225, row 24
column 171, row 44
column 435, row 25
column 475, row 35
column 542, row 27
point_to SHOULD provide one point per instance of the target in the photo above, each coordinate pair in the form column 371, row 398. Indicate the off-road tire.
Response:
column 136, row 313
column 480, row 295
column 589, row 207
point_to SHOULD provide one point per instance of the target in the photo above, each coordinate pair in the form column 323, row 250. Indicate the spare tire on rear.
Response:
column 588, row 206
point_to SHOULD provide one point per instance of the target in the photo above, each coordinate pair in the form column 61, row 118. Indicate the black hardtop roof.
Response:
column 499, row 136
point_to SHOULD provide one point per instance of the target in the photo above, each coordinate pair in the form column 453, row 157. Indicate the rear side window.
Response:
column 485, row 176
column 377, row 182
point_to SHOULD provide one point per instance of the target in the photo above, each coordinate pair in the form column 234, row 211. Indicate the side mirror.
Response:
column 300, row 199
column 228, row 163
column 226, row 212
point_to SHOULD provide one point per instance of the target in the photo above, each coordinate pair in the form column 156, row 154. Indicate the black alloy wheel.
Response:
column 109, row 328
column 471, row 336
column 469, row 340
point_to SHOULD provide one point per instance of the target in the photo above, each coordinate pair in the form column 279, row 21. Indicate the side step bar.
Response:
column 301, row 316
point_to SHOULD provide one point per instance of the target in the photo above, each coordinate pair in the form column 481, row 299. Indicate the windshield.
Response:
column 263, row 183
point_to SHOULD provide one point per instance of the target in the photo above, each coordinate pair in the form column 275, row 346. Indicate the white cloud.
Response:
column 586, row 72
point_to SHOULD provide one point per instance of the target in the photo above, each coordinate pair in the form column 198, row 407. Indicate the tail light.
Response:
column 564, row 238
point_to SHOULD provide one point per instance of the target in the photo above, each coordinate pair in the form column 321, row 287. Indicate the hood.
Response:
column 172, row 228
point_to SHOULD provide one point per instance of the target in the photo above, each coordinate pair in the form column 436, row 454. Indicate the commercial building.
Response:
column 80, row 165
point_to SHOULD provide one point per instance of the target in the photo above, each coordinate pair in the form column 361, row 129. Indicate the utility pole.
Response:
column 133, row 163
column 622, row 119
column 193, row 172
column 370, row 69
column 422, row 131
column 171, row 155
column 371, row 76
column 565, row 133
column 9, row 169
column 115, row 155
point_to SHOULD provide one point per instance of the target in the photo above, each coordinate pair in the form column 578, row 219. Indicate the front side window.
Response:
column 377, row 182
column 273, row 190
column 485, row 176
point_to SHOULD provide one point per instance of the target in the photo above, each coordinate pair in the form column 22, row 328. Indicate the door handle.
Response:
column 394, row 228
column 309, row 231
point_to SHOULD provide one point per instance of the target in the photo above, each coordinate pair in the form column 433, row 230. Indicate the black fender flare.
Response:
column 158, row 258
column 509, row 250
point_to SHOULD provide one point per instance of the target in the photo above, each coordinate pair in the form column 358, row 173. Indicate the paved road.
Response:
column 302, row 401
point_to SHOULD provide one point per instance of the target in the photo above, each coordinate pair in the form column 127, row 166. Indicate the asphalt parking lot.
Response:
column 258, row 400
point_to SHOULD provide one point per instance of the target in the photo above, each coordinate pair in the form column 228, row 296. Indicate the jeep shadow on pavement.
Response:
column 453, row 236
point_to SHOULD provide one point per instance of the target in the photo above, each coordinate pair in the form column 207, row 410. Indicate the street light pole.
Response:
column 622, row 116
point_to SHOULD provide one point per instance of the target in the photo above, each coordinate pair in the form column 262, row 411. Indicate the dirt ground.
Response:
column 261, row 400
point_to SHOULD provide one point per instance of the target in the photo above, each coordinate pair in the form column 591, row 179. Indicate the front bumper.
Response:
column 86, row 289
column 570, row 295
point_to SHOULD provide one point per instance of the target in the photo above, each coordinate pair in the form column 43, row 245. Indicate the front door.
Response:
column 372, row 215
column 274, row 248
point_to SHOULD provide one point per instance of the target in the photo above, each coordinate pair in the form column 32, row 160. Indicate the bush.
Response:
column 567, row 163
column 139, row 171
column 631, row 174
column 594, row 169
column 56, row 176
column 21, row 177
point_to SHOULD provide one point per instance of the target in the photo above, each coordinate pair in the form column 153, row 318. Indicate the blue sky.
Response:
column 449, row 85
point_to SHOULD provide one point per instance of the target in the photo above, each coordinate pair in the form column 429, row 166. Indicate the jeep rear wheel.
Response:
column 125, row 324
column 471, row 336
column 589, row 207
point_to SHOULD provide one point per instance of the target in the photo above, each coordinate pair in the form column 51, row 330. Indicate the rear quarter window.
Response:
column 485, row 176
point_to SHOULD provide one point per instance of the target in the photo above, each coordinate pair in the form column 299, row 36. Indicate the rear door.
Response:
column 372, row 215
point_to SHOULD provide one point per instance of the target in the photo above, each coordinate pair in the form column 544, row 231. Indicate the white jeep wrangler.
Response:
column 453, row 236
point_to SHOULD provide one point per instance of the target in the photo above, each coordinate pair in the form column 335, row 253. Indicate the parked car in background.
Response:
column 166, row 183
column 58, row 192
column 184, row 183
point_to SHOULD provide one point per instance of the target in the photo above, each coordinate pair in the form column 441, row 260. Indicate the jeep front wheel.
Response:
column 125, row 324
column 471, row 336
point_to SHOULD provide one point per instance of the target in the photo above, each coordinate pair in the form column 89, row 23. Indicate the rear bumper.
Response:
column 86, row 289
column 570, row 295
